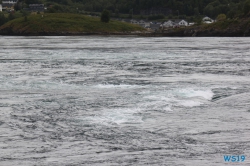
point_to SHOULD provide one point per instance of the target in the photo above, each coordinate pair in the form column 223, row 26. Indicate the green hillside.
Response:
column 50, row 23
column 211, row 8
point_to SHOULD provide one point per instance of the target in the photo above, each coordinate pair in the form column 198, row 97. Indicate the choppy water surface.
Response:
column 124, row 101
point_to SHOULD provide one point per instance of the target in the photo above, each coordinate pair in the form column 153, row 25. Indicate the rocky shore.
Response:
column 200, row 33
column 165, row 34
column 187, row 32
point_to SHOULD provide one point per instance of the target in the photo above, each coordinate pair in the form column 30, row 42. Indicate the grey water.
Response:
column 89, row 100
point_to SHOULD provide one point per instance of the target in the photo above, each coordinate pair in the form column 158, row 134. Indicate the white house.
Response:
column 36, row 7
column 141, row 22
column 1, row 8
column 183, row 23
column 191, row 23
column 168, row 24
column 10, row 2
column 144, row 24
column 155, row 27
column 134, row 22
column 207, row 20
column 174, row 23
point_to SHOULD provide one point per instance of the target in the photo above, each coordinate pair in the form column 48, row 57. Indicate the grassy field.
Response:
column 65, row 22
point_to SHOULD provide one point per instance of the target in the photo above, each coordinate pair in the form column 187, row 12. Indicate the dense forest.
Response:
column 211, row 8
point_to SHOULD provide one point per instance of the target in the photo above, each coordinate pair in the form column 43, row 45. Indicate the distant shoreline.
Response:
column 180, row 33
column 65, row 24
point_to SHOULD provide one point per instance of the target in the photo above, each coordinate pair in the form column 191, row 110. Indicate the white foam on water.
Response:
column 110, row 86
column 190, row 103
column 123, row 116
column 165, row 103
column 163, row 100
column 41, row 85
column 168, row 109
column 117, row 116
column 158, row 97
column 157, row 101
column 206, row 94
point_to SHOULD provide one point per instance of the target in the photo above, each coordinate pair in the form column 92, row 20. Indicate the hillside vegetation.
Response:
column 61, row 23
column 223, row 28
column 231, row 27
column 211, row 8
column 233, row 16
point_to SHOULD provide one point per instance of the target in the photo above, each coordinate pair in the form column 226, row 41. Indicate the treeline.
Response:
column 6, row 17
column 211, row 8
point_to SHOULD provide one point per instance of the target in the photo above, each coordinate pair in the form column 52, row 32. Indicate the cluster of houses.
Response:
column 8, row 5
column 166, row 24
column 36, row 8
column 159, row 25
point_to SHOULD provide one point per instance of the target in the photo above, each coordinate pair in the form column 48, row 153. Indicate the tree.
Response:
column 18, row 6
column 2, row 19
column 246, row 7
column 11, row 16
column 32, row 1
column 105, row 17
column 209, row 10
column 231, row 14
column 131, row 11
column 25, row 19
column 24, row 13
column 221, row 17
column 196, row 11
column 117, row 12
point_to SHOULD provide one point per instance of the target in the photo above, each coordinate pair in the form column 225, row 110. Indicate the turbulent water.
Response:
column 124, row 101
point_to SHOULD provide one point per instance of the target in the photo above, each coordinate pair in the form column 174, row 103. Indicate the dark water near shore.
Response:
column 124, row 101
